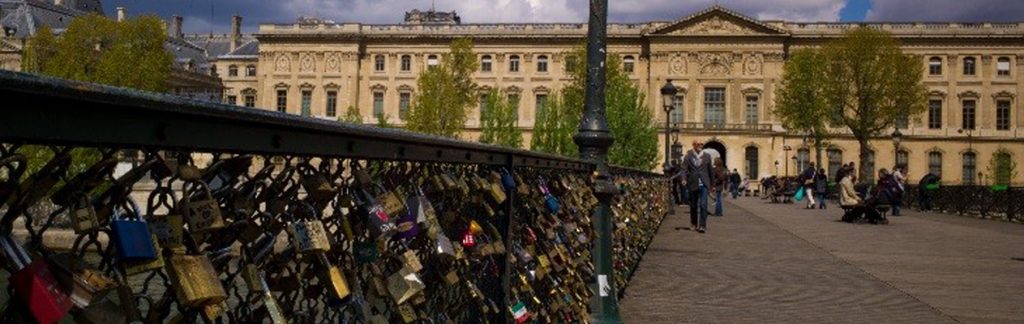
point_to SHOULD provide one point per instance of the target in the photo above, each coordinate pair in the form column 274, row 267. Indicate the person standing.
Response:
column 734, row 183
column 721, row 181
column 925, row 189
column 897, row 199
column 821, row 187
column 697, row 179
column 807, row 178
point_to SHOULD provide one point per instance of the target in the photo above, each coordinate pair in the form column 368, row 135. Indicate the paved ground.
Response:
column 771, row 263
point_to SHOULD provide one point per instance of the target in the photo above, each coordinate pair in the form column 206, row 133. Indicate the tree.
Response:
column 446, row 92
column 96, row 49
column 1002, row 168
column 500, row 121
column 352, row 116
column 382, row 121
column 629, row 120
column 799, row 102
column 867, row 83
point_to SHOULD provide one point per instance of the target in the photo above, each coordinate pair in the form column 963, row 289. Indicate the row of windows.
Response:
column 306, row 101
column 969, row 109
column 714, row 107
column 249, row 100
column 970, row 66
column 487, row 63
column 250, row 70
column 835, row 162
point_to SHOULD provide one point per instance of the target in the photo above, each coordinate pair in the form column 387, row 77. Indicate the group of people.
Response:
column 699, row 177
column 888, row 190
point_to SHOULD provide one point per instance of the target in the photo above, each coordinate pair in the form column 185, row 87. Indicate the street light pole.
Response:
column 593, row 140
column 668, row 93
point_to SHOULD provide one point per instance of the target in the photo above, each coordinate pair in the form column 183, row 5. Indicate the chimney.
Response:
column 176, row 26
column 236, row 31
column 121, row 14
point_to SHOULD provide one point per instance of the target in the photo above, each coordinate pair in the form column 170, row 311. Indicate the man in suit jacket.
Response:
column 697, row 177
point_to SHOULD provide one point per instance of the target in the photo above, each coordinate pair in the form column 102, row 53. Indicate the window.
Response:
column 282, row 100
column 969, row 114
column 378, row 105
column 869, row 167
column 378, row 63
column 542, row 63
column 542, row 100
column 677, row 110
column 406, row 63
column 231, row 100
column 307, row 98
column 570, row 63
column 250, row 101
column 935, row 163
column 628, row 64
column 403, row 105
column 1003, row 66
column 752, row 110
column 803, row 159
column 250, row 70
column 970, row 165
column 935, row 66
column 969, row 66
column 233, row 71
column 213, row 69
column 903, row 159
column 513, row 63
column 750, row 162
column 431, row 60
column 714, row 106
column 332, row 104
column 485, row 63
column 1003, row 115
column 835, row 161
column 934, row 114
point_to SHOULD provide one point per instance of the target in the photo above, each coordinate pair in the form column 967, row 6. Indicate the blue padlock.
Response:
column 507, row 181
column 553, row 205
column 131, row 236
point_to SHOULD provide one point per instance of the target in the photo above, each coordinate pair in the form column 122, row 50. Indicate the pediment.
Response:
column 716, row 21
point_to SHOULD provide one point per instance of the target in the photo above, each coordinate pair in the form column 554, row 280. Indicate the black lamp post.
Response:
column 668, row 93
column 897, row 138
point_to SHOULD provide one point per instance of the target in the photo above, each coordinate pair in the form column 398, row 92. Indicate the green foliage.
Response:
column 96, row 49
column 446, row 92
column 865, row 83
column 500, row 121
column 630, row 121
column 382, row 121
column 799, row 102
column 352, row 116
column 1002, row 168
column 38, row 155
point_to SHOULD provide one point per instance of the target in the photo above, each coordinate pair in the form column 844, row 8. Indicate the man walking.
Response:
column 734, row 183
column 697, row 179
column 807, row 178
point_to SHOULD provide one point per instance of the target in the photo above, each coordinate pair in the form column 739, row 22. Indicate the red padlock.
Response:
column 468, row 240
column 35, row 285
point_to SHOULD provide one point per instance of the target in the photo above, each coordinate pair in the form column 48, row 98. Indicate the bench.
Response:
column 880, row 209
column 785, row 197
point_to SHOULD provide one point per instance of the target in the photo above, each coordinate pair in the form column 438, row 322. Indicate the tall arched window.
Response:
column 935, row 163
column 542, row 63
column 378, row 63
column 935, row 66
column 406, row 63
column 835, row 161
column 803, row 159
column 970, row 167
column 485, row 63
column 513, row 63
column 751, row 162
column 969, row 67
column 628, row 64
column 902, row 159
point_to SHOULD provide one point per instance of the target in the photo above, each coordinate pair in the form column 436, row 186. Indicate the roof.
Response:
column 217, row 45
column 25, row 17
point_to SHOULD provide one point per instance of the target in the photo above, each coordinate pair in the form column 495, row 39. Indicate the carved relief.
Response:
column 678, row 64
column 716, row 26
column 333, row 64
column 306, row 63
column 719, row 63
column 752, row 65
column 283, row 64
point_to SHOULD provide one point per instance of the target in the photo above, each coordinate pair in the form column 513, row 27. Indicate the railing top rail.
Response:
column 58, row 111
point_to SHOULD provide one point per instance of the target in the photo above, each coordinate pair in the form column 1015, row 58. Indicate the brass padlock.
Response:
column 407, row 312
column 335, row 283
column 310, row 236
column 318, row 187
column 169, row 230
column 87, row 283
column 391, row 203
column 203, row 214
column 412, row 261
column 195, row 280
column 403, row 285
column 83, row 214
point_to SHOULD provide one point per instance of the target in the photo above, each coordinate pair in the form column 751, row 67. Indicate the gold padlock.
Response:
column 336, row 284
column 83, row 215
column 391, row 203
column 310, row 236
column 403, row 285
column 412, row 261
column 203, row 214
column 195, row 280
column 497, row 193
column 407, row 312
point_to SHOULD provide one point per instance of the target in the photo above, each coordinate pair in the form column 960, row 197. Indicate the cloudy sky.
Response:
column 214, row 15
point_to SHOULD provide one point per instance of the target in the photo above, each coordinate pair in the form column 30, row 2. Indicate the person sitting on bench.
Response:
column 849, row 200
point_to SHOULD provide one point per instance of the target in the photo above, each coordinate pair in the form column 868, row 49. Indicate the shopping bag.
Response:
column 799, row 194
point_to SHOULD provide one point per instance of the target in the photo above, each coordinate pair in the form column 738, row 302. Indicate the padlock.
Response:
column 391, row 203
column 137, row 267
column 412, row 261
column 83, row 214
column 269, row 302
column 403, row 285
column 468, row 240
column 407, row 313
column 310, row 236
column 34, row 284
column 132, row 238
column 202, row 214
column 87, row 283
column 195, row 281
column 337, row 286
column 318, row 188
column 408, row 224
column 497, row 193
column 169, row 230
column 508, row 181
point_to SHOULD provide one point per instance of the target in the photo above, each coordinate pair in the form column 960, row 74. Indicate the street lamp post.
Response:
column 897, row 138
column 668, row 93
column 593, row 140
column 970, row 144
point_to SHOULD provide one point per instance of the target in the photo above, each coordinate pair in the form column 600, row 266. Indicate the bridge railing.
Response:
column 150, row 207
column 982, row 201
